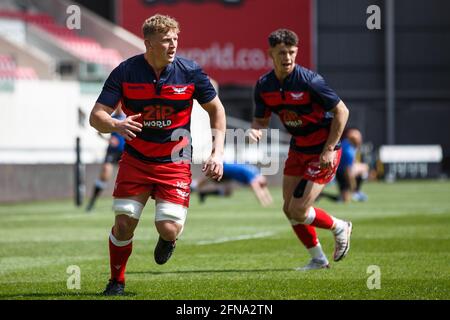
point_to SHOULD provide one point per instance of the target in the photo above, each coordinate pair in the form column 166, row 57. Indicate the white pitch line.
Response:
column 236, row 238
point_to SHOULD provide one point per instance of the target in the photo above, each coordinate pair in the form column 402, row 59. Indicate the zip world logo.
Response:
column 157, row 116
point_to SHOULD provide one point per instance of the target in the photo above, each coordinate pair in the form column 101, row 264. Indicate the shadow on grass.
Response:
column 208, row 271
column 62, row 295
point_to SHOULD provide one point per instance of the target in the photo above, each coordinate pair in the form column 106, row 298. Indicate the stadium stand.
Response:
column 37, row 50
column 85, row 48
column 10, row 71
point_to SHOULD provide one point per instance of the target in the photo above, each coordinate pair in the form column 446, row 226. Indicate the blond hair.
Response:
column 159, row 24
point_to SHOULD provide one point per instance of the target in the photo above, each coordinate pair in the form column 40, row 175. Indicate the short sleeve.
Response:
column 112, row 89
column 261, row 109
column 204, row 90
column 328, row 98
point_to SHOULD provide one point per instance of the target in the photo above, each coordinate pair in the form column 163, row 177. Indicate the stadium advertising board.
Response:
column 228, row 38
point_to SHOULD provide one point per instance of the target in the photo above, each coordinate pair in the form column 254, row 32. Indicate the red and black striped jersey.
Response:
column 165, row 103
column 303, row 102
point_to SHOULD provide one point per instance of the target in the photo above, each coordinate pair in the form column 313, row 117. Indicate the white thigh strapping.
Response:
column 170, row 211
column 131, row 208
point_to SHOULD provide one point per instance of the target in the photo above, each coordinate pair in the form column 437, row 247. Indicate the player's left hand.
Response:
column 327, row 159
column 213, row 167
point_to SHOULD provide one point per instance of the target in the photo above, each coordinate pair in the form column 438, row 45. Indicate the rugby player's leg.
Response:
column 263, row 185
column 361, row 172
column 267, row 195
column 169, row 221
column 305, row 233
column 100, row 184
column 301, row 209
column 300, row 206
column 128, row 211
column 222, row 189
column 259, row 187
column 344, row 179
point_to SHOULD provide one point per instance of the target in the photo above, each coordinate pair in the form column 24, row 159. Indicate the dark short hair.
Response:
column 285, row 36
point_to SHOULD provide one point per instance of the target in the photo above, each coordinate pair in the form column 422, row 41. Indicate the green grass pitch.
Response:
column 234, row 249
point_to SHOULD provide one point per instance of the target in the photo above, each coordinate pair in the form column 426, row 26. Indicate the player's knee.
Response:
column 128, row 207
column 170, row 218
column 299, row 211
column 122, row 229
column 168, row 230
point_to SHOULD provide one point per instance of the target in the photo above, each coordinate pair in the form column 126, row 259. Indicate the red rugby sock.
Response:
column 118, row 257
column 306, row 234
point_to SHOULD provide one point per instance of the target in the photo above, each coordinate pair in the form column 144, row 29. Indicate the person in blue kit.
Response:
column 350, row 173
column 245, row 174
column 114, row 151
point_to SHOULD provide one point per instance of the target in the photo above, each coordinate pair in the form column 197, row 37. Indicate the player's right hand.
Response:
column 255, row 135
column 127, row 127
